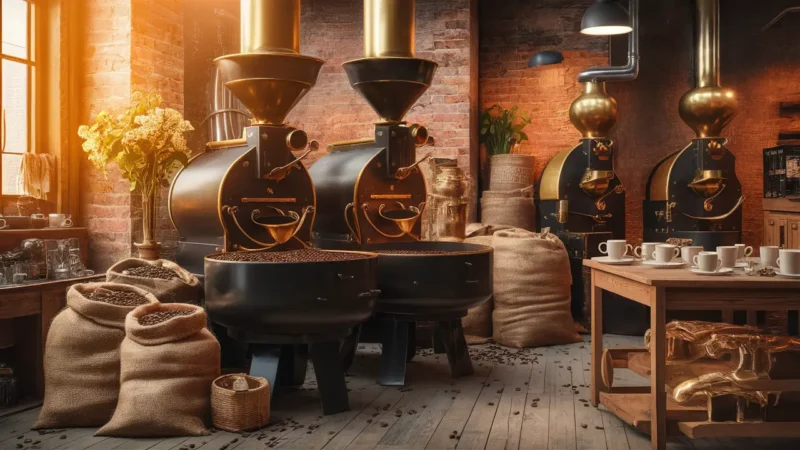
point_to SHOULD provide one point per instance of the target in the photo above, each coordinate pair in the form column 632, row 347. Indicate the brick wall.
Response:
column 127, row 45
column 760, row 66
column 106, row 58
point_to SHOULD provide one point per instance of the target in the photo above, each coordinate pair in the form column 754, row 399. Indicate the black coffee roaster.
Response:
column 254, row 194
column 694, row 193
column 580, row 197
column 371, row 194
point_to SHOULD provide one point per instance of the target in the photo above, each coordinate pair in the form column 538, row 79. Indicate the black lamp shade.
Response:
column 545, row 58
column 604, row 18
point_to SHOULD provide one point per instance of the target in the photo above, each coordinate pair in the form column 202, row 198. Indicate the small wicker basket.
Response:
column 236, row 408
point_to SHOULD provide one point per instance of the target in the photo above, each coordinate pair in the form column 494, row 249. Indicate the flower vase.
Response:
column 149, row 249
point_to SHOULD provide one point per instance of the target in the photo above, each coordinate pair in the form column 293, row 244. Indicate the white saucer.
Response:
column 614, row 262
column 722, row 271
column 740, row 265
column 666, row 265
column 787, row 275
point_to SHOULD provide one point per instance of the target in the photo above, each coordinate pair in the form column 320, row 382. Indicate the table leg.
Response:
column 658, row 407
column 597, row 341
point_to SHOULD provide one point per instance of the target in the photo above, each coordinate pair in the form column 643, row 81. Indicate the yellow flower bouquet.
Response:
column 147, row 142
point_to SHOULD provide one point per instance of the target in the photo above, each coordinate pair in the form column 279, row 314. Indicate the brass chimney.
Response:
column 709, row 107
column 389, row 77
column 269, row 76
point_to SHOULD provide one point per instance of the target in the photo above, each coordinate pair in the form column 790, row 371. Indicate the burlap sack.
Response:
column 511, row 208
column 81, row 359
column 185, row 289
column 478, row 321
column 166, row 375
column 531, row 290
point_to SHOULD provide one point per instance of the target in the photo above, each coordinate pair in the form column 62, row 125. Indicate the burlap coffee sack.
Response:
column 81, row 359
column 478, row 321
column 531, row 290
column 184, row 289
column 166, row 375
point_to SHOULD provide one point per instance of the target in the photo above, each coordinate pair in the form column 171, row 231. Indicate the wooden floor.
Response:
column 527, row 399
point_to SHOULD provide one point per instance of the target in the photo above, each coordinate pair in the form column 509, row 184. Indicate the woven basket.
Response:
column 239, row 410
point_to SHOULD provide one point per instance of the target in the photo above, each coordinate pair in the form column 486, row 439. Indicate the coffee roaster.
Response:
column 372, row 190
column 253, row 193
column 694, row 193
column 579, row 192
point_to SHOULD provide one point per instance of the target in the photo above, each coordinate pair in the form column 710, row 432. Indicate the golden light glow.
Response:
column 607, row 30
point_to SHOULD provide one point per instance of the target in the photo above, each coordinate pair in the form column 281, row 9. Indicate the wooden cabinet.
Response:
column 782, row 223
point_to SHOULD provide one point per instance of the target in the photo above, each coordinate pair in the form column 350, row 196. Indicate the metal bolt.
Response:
column 379, row 133
column 264, row 136
column 246, row 164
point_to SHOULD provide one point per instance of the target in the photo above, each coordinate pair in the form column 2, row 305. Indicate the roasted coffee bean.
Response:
column 151, row 271
column 417, row 252
column 162, row 316
column 118, row 297
column 291, row 256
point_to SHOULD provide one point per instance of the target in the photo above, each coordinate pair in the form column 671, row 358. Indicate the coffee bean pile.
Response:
column 291, row 256
column 157, row 317
column 150, row 271
column 118, row 297
column 418, row 252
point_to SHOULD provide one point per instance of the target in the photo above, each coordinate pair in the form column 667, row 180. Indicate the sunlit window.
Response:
column 17, row 73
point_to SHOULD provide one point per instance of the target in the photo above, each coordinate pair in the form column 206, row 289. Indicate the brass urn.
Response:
column 594, row 112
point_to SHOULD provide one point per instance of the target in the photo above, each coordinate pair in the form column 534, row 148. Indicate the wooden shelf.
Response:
column 634, row 409
column 698, row 430
column 639, row 363
column 781, row 204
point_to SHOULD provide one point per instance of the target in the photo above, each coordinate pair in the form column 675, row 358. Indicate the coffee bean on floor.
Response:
column 598, row 427
column 491, row 403
column 583, row 425
column 28, row 441
column 516, row 413
column 20, row 445
column 63, row 436
column 384, row 424
column 369, row 420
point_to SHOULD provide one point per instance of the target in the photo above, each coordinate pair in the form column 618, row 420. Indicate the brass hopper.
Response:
column 371, row 190
column 253, row 193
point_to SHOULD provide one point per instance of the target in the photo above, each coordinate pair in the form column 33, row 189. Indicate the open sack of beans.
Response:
column 168, row 361
column 169, row 282
column 81, row 358
column 478, row 321
column 531, row 290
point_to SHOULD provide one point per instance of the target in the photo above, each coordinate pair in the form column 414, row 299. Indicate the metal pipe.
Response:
column 707, row 56
column 620, row 73
column 389, row 28
column 772, row 22
column 270, row 26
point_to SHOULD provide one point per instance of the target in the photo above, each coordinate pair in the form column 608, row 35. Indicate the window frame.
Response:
column 30, row 61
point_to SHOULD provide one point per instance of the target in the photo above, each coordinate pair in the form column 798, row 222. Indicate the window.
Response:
column 17, row 81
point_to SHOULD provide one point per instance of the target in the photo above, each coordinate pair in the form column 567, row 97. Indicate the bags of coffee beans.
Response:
column 169, row 282
column 168, row 362
column 531, row 290
column 478, row 321
column 81, row 358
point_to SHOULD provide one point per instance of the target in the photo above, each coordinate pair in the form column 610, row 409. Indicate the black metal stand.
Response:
column 330, row 377
column 395, row 341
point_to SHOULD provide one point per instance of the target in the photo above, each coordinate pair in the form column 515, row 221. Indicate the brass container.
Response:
column 595, row 182
column 389, row 28
column 707, row 183
column 270, row 26
column 448, row 201
column 709, row 107
column 594, row 112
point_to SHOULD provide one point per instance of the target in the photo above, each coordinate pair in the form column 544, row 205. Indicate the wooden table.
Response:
column 32, row 306
column 675, row 289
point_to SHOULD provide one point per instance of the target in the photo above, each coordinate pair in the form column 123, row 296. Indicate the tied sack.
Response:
column 478, row 321
column 165, row 376
column 531, row 290
column 185, row 288
column 81, row 358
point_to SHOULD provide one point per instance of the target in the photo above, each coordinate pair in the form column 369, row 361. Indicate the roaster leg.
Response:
column 438, row 341
column 265, row 362
column 330, row 377
column 294, row 361
column 349, row 347
column 452, row 335
column 394, row 340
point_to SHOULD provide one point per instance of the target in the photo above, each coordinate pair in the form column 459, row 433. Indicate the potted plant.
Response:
column 501, row 133
column 147, row 142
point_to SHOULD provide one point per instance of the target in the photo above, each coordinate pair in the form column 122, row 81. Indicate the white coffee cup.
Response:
column 615, row 248
column 688, row 252
column 789, row 261
column 769, row 255
column 728, row 254
column 60, row 220
column 744, row 251
column 645, row 251
column 707, row 261
column 665, row 253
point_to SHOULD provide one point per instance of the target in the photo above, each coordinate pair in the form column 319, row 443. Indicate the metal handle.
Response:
column 403, row 172
column 707, row 204
column 601, row 204
column 771, row 222
column 232, row 210
column 356, row 234
column 280, row 173
column 596, row 217
column 720, row 217
column 370, row 293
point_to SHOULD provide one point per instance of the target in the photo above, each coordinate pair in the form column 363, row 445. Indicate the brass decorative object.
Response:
column 389, row 28
column 594, row 112
column 687, row 339
column 595, row 182
column 281, row 227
